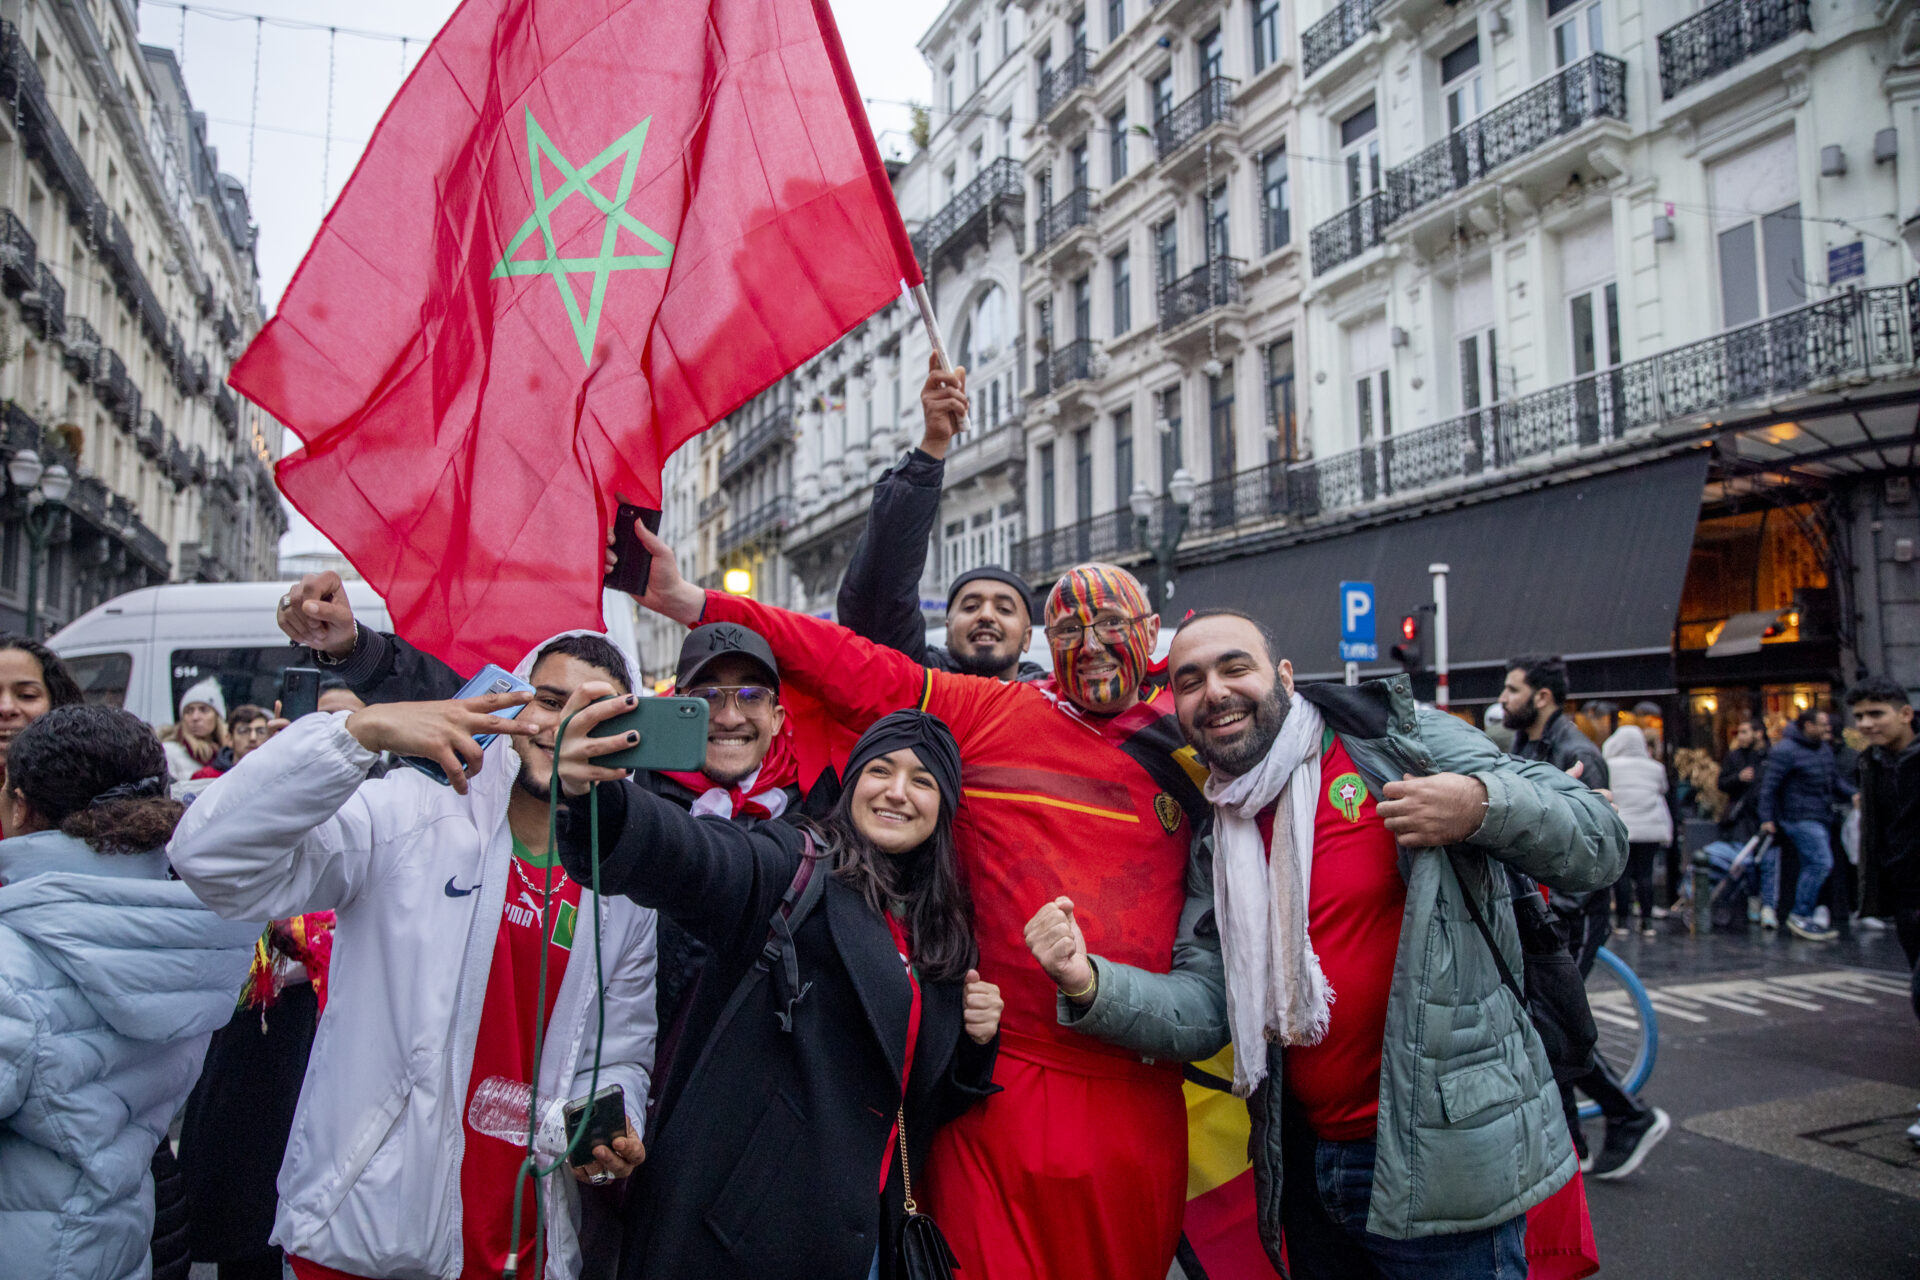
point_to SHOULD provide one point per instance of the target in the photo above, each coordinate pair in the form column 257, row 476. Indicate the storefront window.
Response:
column 1758, row 560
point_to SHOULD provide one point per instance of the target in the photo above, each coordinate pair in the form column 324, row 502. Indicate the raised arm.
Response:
column 377, row 665
column 880, row 593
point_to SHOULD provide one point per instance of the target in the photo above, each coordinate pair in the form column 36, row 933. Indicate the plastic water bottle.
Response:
column 499, row 1110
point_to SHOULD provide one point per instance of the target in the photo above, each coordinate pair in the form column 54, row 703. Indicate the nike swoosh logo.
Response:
column 458, row 893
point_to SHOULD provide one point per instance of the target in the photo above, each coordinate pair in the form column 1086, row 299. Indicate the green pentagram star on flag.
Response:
column 579, row 181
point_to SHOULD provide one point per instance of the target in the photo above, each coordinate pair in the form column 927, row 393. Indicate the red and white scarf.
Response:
column 761, row 794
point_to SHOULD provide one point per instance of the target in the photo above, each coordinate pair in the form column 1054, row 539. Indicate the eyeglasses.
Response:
column 1107, row 630
column 258, row 729
column 750, row 698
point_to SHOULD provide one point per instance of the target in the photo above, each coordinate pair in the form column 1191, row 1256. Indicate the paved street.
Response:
column 1790, row 1070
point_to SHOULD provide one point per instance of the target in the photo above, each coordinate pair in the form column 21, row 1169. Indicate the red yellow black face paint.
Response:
column 1107, row 592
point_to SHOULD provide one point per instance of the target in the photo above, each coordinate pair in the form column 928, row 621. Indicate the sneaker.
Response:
column 1628, row 1142
column 1873, row 923
column 1659, row 913
column 1768, row 920
column 1823, row 917
column 1619, row 931
column 1648, row 931
column 1913, row 1136
column 1753, row 911
column 1808, row 927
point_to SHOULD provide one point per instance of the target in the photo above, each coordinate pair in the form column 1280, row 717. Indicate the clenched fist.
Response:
column 1054, row 937
column 981, row 1015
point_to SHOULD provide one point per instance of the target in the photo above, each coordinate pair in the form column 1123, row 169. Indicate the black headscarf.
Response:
column 926, row 735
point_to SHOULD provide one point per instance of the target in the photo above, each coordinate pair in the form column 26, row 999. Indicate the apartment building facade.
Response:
column 1163, row 279
column 126, row 258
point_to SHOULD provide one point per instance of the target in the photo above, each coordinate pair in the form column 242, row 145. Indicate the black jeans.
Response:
column 1906, row 926
column 1636, row 878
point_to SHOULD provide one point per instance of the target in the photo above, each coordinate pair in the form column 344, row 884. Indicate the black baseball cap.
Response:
column 705, row 645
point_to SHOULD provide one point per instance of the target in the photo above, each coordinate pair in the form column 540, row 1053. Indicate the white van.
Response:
column 144, row 649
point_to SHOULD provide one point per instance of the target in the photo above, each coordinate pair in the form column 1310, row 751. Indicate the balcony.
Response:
column 18, row 427
column 712, row 505
column 202, row 375
column 1212, row 105
column 83, row 349
column 1322, row 42
column 179, row 467
column 151, row 440
column 1349, row 233
column 1823, row 348
column 226, row 408
column 1589, row 90
column 1059, row 84
column 16, row 254
column 148, row 545
column 996, row 192
column 131, row 409
column 114, row 388
column 226, row 328
column 773, row 430
column 46, row 302
column 766, row 520
column 1070, row 364
column 1724, row 35
column 1205, row 288
column 1055, row 224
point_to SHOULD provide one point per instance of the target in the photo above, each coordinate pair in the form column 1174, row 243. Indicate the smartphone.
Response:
column 491, row 679
column 632, row 563
column 299, row 692
column 606, row 1119
column 673, row 735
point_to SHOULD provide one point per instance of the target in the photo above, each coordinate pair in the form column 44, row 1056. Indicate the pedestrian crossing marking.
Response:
column 1693, row 1002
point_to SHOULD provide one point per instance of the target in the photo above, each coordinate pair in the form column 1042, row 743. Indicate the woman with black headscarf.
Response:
column 779, row 1153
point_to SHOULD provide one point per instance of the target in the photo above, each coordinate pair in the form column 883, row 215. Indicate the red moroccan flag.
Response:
column 585, row 231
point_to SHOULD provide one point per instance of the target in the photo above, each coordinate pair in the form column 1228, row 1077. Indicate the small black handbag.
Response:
column 924, row 1253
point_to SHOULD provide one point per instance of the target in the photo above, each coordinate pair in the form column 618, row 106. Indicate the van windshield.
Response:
column 245, row 673
column 102, row 677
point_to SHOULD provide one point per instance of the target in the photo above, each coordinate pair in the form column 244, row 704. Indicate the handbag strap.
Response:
column 1480, row 922
column 906, row 1176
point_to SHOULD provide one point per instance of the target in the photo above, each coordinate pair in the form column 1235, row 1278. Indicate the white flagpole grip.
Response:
column 932, row 322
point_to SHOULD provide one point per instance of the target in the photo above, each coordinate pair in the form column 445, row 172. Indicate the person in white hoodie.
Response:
column 1640, row 793
column 439, row 892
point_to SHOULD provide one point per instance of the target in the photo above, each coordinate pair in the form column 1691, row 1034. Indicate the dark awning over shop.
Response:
column 1590, row 569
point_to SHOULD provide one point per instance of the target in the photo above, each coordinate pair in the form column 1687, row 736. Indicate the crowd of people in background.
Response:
column 925, row 939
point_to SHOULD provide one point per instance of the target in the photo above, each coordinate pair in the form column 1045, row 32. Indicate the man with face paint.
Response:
column 1078, row 1167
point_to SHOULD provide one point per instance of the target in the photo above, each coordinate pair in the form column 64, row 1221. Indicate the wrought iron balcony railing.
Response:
column 1321, row 42
column 19, row 428
column 1069, row 364
column 113, row 385
column 1724, row 35
column 1212, row 105
column 1058, row 83
column 47, row 302
column 713, row 504
column 225, row 407
column 178, row 466
column 1824, row 345
column 774, row 429
column 149, row 546
column 83, row 349
column 1074, row 211
column 17, row 251
column 1000, row 180
column 152, row 438
column 1349, row 233
column 1592, row 89
column 1213, row 284
column 768, row 518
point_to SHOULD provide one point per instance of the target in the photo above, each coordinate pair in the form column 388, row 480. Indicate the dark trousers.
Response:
column 1635, row 879
column 1906, row 926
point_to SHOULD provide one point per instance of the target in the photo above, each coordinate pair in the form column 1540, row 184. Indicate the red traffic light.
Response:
column 1409, row 627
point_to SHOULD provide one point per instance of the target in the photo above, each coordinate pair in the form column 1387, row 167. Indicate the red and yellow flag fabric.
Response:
column 584, row 231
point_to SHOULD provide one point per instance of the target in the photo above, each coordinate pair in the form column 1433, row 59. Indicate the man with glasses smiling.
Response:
column 247, row 727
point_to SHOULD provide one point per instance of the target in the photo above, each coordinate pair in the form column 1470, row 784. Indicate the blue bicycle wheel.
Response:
column 1629, row 1027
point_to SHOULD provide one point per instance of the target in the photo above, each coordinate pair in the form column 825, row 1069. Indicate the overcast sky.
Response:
column 299, row 152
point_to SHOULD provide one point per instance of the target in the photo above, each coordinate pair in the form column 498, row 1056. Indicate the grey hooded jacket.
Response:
column 1471, row 1130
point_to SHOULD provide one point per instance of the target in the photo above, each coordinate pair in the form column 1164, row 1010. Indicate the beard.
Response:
column 972, row 661
column 524, row 780
column 1522, row 720
column 1250, row 748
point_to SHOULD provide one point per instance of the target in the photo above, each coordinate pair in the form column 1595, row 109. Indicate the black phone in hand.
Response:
column 632, row 562
column 605, row 1116
column 299, row 692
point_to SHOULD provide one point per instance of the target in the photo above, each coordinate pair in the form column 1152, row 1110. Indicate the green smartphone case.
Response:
column 673, row 735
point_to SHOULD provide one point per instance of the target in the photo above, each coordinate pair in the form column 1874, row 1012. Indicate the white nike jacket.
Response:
column 418, row 876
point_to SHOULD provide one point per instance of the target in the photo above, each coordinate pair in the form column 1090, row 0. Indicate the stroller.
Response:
column 1726, row 876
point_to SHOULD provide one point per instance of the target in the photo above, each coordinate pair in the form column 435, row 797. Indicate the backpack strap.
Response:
column 1480, row 922
column 799, row 900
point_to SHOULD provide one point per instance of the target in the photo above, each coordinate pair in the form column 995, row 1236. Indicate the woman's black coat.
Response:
column 767, row 1162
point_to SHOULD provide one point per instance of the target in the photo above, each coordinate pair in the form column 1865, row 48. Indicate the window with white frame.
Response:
column 1360, row 153
column 1368, row 352
column 1475, row 341
column 1276, row 209
column 1461, row 85
column 1116, row 19
column 1117, row 146
column 1758, row 235
column 1266, row 34
column 1574, row 27
column 951, row 80
column 974, row 60
column 1593, row 297
column 1162, row 95
column 1120, row 271
column 976, row 157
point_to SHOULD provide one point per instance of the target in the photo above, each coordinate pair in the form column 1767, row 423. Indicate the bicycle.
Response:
column 1628, row 1024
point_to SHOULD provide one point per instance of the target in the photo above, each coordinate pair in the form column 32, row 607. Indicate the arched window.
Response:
column 986, row 332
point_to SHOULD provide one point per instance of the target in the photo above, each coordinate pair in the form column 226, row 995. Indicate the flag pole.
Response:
column 932, row 323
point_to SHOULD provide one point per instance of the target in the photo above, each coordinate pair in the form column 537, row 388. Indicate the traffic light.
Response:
column 1409, row 653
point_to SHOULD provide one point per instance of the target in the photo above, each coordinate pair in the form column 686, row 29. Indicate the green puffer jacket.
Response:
column 1471, row 1130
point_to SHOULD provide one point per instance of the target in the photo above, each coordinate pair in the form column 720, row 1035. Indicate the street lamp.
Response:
column 43, row 490
column 1142, row 500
